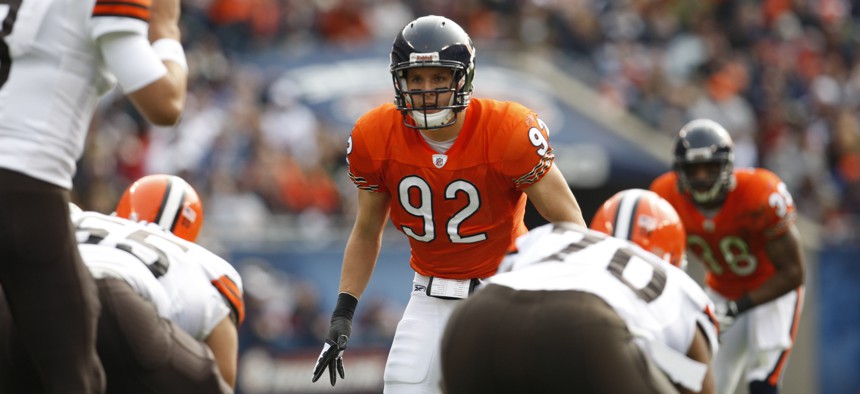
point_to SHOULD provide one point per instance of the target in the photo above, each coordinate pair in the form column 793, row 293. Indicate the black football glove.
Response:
column 331, row 356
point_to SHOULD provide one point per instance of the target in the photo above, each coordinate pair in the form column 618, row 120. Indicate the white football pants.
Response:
column 413, row 365
column 757, row 345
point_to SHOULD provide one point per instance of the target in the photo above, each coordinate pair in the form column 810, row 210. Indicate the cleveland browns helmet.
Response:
column 165, row 200
column 433, row 41
column 704, row 141
column 645, row 218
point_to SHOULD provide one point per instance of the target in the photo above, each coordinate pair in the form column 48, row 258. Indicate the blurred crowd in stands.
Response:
column 783, row 76
column 285, row 313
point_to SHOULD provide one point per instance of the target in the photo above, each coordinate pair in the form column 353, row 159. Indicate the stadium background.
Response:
column 276, row 84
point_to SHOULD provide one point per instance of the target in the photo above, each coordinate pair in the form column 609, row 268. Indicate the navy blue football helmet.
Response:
column 703, row 141
column 433, row 41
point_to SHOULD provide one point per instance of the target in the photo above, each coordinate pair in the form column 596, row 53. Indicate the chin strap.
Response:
column 439, row 119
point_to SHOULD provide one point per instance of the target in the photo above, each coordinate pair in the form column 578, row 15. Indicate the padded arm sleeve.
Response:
column 132, row 60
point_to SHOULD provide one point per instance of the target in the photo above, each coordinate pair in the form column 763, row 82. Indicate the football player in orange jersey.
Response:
column 453, row 172
column 740, row 225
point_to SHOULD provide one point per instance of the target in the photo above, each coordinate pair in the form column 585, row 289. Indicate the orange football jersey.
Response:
column 461, row 210
column 731, row 243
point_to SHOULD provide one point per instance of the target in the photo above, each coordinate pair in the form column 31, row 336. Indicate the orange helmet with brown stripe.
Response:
column 166, row 200
column 645, row 218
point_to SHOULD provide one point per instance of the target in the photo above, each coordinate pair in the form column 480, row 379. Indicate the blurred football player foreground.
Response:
column 170, row 308
column 56, row 58
column 574, row 310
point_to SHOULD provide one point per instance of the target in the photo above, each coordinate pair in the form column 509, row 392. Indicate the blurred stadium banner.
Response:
column 262, row 372
column 289, row 299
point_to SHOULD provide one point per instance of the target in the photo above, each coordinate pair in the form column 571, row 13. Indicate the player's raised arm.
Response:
column 152, row 71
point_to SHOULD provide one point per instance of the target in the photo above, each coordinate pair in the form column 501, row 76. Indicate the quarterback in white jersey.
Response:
column 57, row 57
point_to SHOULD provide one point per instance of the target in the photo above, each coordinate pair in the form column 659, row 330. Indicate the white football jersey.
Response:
column 51, row 76
column 188, row 284
column 660, row 303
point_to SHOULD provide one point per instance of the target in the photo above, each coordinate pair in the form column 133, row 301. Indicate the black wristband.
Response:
column 744, row 304
column 345, row 306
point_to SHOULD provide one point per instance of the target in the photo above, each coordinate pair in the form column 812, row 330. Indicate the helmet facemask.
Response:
column 712, row 190
column 447, row 114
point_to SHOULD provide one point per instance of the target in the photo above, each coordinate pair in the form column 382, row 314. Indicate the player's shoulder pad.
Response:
column 756, row 183
column 509, row 116
column 691, row 288
column 374, row 127
column 378, row 120
column 664, row 184
column 515, row 134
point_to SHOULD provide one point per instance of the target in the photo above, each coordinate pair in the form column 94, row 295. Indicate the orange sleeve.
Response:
column 136, row 9
column 523, row 140
column 362, row 164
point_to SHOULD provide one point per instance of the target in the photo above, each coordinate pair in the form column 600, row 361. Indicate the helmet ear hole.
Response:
column 165, row 200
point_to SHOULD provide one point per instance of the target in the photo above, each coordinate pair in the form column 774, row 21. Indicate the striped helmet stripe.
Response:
column 624, row 215
column 171, row 204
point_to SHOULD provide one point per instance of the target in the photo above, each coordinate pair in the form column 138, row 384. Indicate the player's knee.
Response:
column 762, row 387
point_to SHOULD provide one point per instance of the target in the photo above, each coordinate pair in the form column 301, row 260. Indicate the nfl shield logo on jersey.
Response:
column 440, row 160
